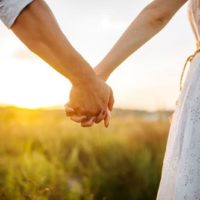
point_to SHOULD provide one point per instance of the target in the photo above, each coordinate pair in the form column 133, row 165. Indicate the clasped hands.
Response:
column 91, row 101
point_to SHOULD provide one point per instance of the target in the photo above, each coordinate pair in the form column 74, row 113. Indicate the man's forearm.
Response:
column 39, row 31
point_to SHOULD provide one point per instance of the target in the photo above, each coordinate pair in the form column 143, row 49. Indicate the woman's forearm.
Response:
column 148, row 23
column 38, row 29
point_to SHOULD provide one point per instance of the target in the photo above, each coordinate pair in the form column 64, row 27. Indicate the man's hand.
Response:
column 90, row 102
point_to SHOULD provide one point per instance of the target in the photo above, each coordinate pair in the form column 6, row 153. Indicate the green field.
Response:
column 45, row 156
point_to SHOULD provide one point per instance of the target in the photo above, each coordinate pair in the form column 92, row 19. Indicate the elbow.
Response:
column 158, row 15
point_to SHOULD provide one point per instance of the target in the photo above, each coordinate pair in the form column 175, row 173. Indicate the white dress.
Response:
column 181, row 167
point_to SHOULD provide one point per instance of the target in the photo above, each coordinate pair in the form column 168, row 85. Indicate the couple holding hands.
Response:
column 91, row 99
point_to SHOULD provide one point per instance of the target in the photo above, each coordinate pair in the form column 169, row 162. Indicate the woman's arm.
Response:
column 149, row 22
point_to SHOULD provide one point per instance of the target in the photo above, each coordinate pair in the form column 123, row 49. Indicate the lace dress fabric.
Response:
column 181, row 167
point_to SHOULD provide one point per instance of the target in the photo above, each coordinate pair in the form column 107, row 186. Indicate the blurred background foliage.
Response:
column 44, row 156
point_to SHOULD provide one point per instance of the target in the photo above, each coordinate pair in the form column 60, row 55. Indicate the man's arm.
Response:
column 39, row 31
column 148, row 23
column 37, row 28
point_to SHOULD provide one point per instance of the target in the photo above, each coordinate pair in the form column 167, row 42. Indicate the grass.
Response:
column 44, row 156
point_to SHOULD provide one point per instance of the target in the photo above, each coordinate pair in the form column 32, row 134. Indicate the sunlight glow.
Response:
column 30, row 83
column 149, row 79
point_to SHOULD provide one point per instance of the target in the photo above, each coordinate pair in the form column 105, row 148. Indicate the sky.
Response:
column 148, row 79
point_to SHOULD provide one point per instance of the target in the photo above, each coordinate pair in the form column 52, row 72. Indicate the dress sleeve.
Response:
column 10, row 10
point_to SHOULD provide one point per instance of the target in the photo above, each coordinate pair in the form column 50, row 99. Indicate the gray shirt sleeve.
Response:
column 10, row 10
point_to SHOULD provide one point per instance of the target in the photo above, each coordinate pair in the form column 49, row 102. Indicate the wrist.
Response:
column 84, row 78
column 79, row 71
column 101, row 73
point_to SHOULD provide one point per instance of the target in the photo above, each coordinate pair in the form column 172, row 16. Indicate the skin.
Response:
column 147, row 24
column 37, row 28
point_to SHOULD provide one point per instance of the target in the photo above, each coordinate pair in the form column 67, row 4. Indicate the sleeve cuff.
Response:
column 11, row 9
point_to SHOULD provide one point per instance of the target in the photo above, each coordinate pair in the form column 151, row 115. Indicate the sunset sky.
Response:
column 149, row 79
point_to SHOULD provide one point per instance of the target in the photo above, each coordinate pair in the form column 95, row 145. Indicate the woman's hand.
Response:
column 88, row 121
